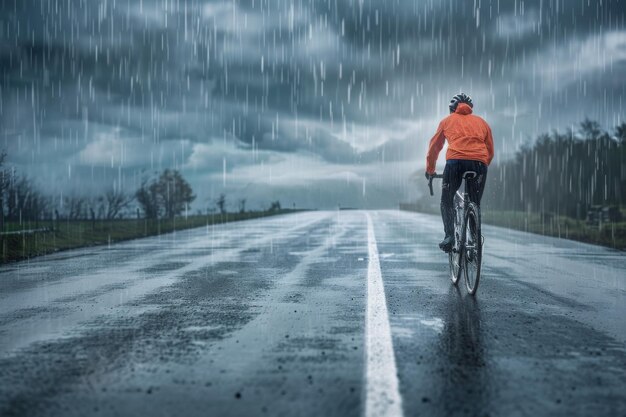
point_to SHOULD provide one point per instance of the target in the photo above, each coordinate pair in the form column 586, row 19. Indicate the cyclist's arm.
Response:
column 435, row 146
column 489, row 144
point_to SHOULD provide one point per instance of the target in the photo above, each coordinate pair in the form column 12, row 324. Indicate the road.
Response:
column 344, row 313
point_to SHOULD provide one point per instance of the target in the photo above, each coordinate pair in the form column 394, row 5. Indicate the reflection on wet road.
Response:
column 270, row 317
column 462, row 349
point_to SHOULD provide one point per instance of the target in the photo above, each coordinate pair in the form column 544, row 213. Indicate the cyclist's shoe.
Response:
column 447, row 244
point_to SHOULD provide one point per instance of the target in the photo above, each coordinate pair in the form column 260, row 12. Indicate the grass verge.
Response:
column 612, row 235
column 64, row 235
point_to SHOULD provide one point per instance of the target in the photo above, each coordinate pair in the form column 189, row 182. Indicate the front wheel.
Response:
column 473, row 248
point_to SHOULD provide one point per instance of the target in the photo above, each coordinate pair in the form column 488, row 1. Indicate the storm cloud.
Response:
column 319, row 103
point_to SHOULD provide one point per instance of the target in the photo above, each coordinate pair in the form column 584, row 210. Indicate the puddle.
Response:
column 435, row 323
column 200, row 328
column 227, row 272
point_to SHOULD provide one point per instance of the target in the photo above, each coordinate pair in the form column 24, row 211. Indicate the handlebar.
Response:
column 430, row 182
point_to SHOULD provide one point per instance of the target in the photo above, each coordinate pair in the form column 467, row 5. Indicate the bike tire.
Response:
column 455, row 256
column 472, row 248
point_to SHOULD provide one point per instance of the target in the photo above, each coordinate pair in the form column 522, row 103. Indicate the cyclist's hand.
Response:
column 429, row 176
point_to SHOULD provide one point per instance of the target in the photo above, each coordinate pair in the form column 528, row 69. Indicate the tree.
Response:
column 590, row 129
column 221, row 203
column 18, row 195
column 175, row 193
column 3, row 186
column 242, row 205
column 148, row 198
column 39, row 207
column 22, row 200
column 275, row 206
column 77, row 207
column 620, row 133
column 114, row 202
column 167, row 196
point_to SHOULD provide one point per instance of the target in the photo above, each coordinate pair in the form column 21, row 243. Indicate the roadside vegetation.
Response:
column 33, row 224
column 611, row 234
column 569, row 184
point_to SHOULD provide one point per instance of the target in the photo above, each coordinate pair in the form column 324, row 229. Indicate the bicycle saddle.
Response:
column 468, row 175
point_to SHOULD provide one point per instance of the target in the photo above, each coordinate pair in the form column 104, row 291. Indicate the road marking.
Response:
column 382, row 397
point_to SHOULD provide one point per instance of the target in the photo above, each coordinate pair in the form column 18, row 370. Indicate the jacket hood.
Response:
column 463, row 108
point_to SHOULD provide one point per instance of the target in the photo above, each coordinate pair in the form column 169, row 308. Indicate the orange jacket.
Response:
column 469, row 137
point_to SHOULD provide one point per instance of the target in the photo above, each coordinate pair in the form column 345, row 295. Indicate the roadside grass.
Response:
column 612, row 235
column 72, row 234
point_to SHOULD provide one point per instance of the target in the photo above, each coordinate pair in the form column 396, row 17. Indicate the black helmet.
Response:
column 460, row 98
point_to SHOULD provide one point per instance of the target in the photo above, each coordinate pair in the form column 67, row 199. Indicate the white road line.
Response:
column 382, row 397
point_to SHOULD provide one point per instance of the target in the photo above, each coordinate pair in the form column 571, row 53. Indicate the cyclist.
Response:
column 470, row 148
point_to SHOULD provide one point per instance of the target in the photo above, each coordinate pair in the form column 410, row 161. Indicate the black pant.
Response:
column 452, row 178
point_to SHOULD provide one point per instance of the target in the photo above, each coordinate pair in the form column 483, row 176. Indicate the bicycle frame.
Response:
column 462, row 252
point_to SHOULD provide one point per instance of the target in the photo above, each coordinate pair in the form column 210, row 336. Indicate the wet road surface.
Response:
column 343, row 313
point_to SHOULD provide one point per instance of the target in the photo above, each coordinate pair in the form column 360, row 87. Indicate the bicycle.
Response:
column 466, row 254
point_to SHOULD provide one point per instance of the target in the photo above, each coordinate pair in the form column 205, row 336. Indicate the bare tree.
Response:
column 37, row 207
column 19, row 192
column 242, row 205
column 221, row 203
column 15, row 194
column 22, row 199
column 101, row 207
column 114, row 202
column 77, row 207
column 3, row 186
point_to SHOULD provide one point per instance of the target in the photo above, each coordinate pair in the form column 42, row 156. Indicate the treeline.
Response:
column 563, row 173
column 163, row 196
column 21, row 201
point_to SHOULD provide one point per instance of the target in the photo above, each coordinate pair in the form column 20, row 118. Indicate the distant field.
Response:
column 65, row 234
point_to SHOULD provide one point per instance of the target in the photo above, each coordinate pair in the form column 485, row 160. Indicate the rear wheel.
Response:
column 473, row 248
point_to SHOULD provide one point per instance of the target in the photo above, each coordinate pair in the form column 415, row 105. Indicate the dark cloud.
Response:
column 350, row 83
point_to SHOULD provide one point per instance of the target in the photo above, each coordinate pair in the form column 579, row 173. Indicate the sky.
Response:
column 316, row 103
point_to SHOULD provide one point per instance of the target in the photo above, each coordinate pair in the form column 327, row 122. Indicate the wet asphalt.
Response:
column 268, row 317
